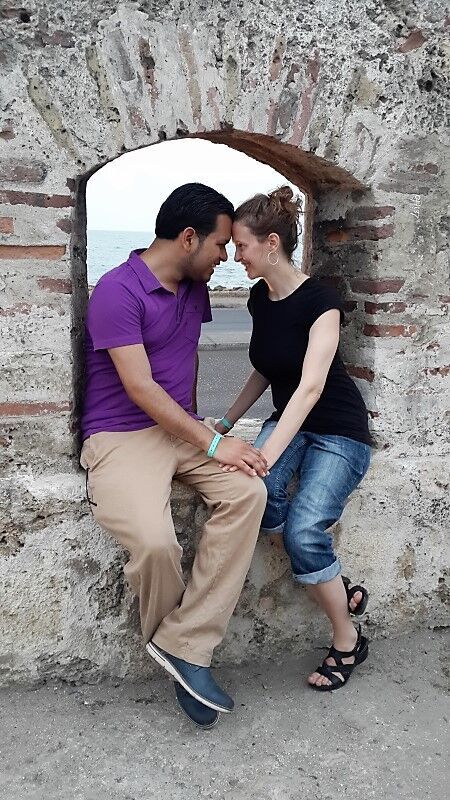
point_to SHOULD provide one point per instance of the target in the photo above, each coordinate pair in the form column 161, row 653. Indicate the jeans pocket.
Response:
column 362, row 463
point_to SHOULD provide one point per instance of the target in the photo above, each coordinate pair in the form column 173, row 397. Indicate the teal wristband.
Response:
column 226, row 423
column 212, row 447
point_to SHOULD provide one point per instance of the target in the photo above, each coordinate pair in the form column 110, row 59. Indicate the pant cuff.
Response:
column 186, row 652
column 322, row 576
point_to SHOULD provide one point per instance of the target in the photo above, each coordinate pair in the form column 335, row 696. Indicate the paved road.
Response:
column 222, row 373
column 230, row 326
column 229, row 319
column 383, row 736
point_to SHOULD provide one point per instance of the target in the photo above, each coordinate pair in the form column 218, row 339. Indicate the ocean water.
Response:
column 108, row 249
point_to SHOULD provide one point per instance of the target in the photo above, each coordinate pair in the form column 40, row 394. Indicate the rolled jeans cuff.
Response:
column 322, row 576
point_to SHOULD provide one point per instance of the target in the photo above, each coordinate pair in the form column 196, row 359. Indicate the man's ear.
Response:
column 188, row 239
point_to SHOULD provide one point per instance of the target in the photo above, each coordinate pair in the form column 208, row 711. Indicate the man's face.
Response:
column 210, row 251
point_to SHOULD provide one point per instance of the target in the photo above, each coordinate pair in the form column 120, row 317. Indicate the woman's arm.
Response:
column 322, row 345
column 253, row 388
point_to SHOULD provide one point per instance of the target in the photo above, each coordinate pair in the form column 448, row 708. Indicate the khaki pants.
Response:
column 130, row 476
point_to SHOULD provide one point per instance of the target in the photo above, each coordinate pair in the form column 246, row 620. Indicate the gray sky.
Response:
column 126, row 194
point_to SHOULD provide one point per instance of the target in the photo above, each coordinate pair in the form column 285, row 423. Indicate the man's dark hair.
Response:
column 192, row 205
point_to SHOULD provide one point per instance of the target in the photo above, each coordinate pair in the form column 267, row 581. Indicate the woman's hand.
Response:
column 232, row 468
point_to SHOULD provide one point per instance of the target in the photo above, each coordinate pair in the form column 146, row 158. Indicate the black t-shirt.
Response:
column 277, row 350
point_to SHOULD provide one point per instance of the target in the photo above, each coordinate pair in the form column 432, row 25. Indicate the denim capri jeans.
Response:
column 328, row 468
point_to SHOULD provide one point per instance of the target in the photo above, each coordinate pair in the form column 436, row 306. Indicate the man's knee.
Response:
column 154, row 540
column 251, row 491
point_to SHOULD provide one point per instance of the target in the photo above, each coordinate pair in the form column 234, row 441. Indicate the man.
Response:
column 140, row 430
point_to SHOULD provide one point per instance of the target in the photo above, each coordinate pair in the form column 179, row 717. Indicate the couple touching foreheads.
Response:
column 140, row 430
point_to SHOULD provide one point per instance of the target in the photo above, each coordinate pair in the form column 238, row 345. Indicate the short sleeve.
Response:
column 251, row 301
column 114, row 316
column 207, row 315
column 325, row 298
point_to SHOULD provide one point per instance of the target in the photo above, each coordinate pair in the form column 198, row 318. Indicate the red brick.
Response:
column 6, row 225
column 18, row 308
column 58, row 285
column 64, row 225
column 437, row 370
column 432, row 169
column 22, row 171
column 4, row 442
column 380, row 286
column 390, row 330
column 32, row 409
column 389, row 308
column 373, row 212
column 7, row 132
column 415, row 40
column 373, row 414
column 350, row 305
column 61, row 38
column 444, row 298
column 36, row 199
column 335, row 237
column 370, row 233
column 48, row 252
column 364, row 373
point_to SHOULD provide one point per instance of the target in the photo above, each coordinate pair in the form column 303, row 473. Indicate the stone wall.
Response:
column 346, row 99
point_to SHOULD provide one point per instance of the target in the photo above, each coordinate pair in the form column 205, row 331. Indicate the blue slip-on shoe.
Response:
column 197, row 680
column 203, row 716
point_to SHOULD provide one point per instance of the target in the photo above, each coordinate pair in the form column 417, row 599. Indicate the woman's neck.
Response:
column 283, row 279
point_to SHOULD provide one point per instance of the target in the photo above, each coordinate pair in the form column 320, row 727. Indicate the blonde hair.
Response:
column 276, row 212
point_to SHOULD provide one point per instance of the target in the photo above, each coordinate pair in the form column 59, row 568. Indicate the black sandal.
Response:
column 360, row 653
column 362, row 605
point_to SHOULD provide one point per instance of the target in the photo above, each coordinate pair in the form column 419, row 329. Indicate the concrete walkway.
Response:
column 384, row 736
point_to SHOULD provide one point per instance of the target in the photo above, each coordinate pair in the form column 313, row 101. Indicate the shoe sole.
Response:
column 169, row 667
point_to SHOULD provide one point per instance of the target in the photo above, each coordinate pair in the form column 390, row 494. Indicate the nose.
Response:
column 237, row 257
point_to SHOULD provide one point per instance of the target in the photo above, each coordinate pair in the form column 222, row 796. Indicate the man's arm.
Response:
column 134, row 371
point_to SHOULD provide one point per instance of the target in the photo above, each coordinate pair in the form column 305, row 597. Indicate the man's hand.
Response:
column 237, row 454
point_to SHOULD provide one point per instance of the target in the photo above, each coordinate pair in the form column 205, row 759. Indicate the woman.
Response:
column 318, row 430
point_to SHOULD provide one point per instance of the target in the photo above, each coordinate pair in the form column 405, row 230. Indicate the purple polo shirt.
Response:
column 129, row 306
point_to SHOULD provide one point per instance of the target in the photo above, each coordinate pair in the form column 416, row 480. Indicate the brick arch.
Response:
column 367, row 99
column 308, row 171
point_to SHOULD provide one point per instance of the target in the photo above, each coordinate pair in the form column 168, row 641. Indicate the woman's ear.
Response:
column 273, row 240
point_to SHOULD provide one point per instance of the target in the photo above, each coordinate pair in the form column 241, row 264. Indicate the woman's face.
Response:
column 250, row 252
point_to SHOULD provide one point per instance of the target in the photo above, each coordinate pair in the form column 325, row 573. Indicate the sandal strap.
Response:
column 328, row 673
column 352, row 591
column 338, row 655
column 328, row 670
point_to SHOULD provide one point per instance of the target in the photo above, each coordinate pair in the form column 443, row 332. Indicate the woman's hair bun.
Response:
column 283, row 202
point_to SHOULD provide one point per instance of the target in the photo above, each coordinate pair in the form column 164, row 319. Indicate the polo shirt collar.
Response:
column 148, row 281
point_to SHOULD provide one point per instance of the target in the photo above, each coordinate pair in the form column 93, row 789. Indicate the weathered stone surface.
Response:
column 350, row 103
